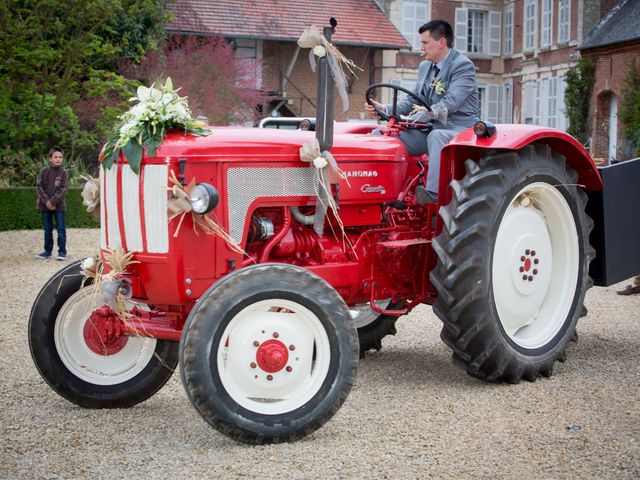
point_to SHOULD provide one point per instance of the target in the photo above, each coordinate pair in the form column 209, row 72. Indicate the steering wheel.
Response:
column 394, row 111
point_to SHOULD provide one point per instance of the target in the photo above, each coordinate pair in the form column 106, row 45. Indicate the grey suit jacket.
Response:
column 460, row 96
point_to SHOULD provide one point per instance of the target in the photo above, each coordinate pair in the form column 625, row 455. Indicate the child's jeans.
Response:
column 47, row 220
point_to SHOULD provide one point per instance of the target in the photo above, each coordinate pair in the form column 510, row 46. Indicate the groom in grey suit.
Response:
column 447, row 81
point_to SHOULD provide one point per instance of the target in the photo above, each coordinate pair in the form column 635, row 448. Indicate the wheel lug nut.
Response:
column 253, row 365
column 535, row 271
column 276, row 334
column 530, row 278
column 256, row 343
column 533, row 252
column 527, row 251
column 522, row 258
column 536, row 261
column 269, row 377
column 521, row 269
column 289, row 369
column 292, row 347
column 524, row 277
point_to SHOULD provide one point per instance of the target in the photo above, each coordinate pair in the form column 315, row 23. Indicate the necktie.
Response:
column 428, row 88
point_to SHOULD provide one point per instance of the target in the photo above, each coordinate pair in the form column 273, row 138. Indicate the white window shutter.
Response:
column 495, row 20
column 507, row 103
column 539, row 103
column 462, row 26
column 529, row 98
column 543, row 97
column 562, row 116
column 493, row 102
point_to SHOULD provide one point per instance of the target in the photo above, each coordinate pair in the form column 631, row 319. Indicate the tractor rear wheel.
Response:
column 513, row 264
column 372, row 326
column 269, row 353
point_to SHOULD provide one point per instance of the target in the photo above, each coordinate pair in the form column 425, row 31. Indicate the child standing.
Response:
column 52, row 190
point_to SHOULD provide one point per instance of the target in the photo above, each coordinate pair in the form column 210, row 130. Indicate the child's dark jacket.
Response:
column 52, row 185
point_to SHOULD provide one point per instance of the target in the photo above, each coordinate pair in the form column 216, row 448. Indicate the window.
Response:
column 249, row 51
column 564, row 24
column 495, row 102
column 407, row 83
column 550, row 103
column 414, row 15
column 508, row 31
column 547, row 22
column 478, row 31
column 530, row 8
column 475, row 32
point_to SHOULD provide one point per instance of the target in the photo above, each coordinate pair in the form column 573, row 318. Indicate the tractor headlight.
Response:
column 203, row 198
column 484, row 129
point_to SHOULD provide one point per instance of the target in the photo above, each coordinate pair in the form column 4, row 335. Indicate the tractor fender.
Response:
column 514, row 137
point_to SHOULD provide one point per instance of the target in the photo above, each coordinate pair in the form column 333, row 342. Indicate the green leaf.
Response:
column 154, row 142
column 133, row 151
column 110, row 154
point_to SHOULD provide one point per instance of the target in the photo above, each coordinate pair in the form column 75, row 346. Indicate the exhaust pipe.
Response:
column 326, row 96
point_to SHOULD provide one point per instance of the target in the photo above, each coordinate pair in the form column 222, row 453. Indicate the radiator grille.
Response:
column 149, row 212
column 247, row 184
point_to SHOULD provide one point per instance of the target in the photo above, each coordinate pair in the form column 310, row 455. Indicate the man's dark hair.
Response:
column 55, row 149
column 438, row 29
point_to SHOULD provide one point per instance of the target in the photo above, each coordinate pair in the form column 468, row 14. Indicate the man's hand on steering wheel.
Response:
column 381, row 111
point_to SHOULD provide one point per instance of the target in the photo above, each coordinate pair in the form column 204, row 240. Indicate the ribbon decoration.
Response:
column 91, row 195
column 323, row 178
column 436, row 113
column 314, row 39
column 178, row 206
column 113, row 287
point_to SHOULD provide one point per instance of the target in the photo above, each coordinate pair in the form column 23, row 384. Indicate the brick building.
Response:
column 265, row 32
column 522, row 50
column 614, row 45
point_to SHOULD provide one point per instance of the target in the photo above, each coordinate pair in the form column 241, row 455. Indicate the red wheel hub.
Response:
column 272, row 356
column 103, row 334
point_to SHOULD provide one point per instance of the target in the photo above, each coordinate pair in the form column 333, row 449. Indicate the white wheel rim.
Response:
column 364, row 315
column 279, row 324
column 86, row 364
column 535, row 265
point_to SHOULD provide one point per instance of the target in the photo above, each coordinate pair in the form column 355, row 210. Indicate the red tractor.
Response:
column 268, row 335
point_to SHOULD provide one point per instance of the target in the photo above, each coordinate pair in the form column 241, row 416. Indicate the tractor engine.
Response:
column 266, row 203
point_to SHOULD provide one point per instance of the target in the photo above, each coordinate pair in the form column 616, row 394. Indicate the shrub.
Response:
column 18, row 210
column 630, row 110
column 576, row 97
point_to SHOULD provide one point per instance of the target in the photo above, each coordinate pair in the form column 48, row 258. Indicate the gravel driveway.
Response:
column 411, row 414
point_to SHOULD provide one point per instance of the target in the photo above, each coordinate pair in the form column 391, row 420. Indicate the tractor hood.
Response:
column 238, row 144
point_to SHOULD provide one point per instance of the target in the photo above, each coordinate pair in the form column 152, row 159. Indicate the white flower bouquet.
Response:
column 144, row 126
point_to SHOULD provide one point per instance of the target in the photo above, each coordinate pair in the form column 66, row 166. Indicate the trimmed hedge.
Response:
column 18, row 210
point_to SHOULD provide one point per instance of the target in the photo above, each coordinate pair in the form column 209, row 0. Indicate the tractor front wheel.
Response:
column 81, row 361
column 513, row 264
column 268, row 354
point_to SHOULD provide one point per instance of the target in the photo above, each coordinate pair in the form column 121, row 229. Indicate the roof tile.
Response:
column 360, row 22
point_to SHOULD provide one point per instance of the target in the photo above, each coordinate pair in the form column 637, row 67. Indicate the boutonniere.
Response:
column 438, row 86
